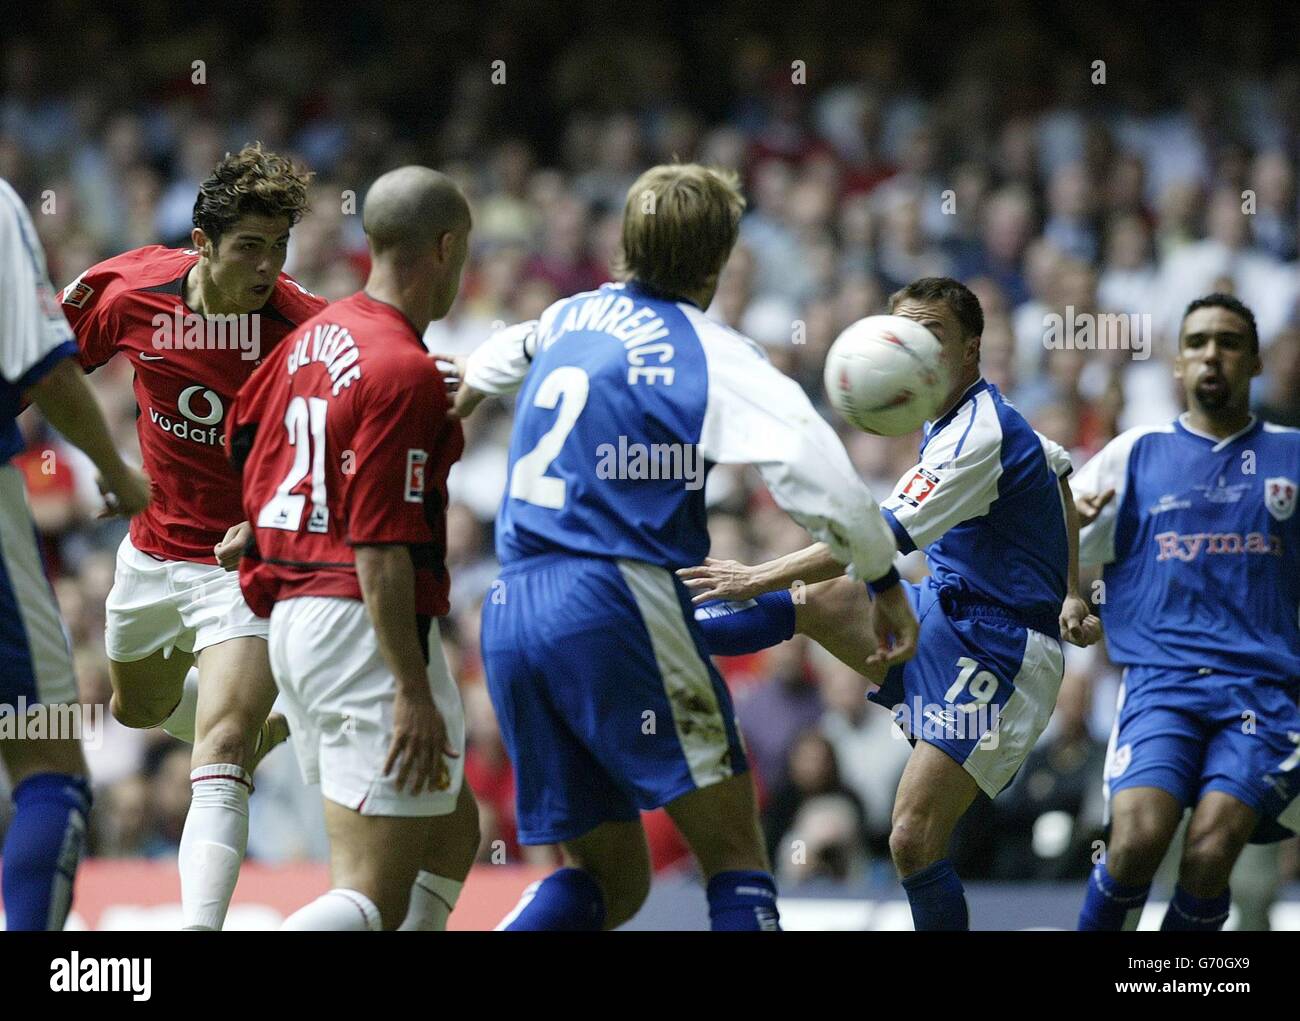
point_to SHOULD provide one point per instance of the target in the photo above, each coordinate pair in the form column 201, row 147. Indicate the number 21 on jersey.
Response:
column 304, row 419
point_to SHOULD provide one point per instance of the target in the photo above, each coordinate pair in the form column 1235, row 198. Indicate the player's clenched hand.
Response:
column 462, row 397
column 420, row 747
column 125, row 495
column 231, row 547
column 1079, row 625
column 1090, row 506
column 452, row 368
column 895, row 627
column 720, row 579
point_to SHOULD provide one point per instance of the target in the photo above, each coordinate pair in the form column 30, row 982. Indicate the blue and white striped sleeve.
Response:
column 34, row 335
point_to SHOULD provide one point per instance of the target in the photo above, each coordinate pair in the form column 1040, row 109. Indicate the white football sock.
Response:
column 180, row 724
column 213, row 843
column 433, row 898
column 336, row 911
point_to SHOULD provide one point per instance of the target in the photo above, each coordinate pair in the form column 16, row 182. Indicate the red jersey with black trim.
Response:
column 343, row 438
column 188, row 369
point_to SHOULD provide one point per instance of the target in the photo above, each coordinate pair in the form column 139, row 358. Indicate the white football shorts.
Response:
column 338, row 695
column 173, row 604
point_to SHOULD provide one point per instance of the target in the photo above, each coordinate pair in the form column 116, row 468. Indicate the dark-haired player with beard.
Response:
column 194, row 323
column 1195, row 523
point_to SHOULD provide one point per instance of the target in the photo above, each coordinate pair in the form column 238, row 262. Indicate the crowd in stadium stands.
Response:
column 856, row 184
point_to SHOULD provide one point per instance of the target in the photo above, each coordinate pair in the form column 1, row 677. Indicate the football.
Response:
column 885, row 375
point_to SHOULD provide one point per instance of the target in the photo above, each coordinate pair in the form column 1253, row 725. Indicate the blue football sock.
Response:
column 733, row 629
column 1109, row 906
column 743, row 901
column 1196, row 914
column 42, row 849
column 565, row 901
column 938, row 899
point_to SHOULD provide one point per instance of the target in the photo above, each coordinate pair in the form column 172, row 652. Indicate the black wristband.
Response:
column 885, row 581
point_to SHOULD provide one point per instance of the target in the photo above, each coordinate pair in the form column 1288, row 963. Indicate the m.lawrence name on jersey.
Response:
column 1201, row 547
column 640, row 329
column 616, row 385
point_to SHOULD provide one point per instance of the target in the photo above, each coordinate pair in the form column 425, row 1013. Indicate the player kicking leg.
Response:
column 185, row 651
column 990, row 505
column 601, row 682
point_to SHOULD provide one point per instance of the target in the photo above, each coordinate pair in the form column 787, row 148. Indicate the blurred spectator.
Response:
column 774, row 713
column 813, row 823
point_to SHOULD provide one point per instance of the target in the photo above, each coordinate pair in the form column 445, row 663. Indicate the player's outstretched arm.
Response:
column 66, row 401
column 1079, row 625
column 755, row 415
column 732, row 580
column 496, row 367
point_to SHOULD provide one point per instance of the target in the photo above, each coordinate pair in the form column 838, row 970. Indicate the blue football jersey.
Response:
column 1201, row 548
column 626, row 400
column 984, row 502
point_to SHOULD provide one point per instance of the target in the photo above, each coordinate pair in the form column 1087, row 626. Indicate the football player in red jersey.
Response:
column 344, row 442
column 194, row 323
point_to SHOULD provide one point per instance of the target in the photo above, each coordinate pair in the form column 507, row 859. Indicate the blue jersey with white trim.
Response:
column 34, row 335
column 627, row 401
column 1202, row 549
column 984, row 502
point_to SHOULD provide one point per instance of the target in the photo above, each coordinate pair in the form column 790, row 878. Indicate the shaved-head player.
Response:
column 344, row 442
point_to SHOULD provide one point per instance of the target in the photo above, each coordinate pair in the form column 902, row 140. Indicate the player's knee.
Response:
column 139, row 713
column 226, row 740
column 827, row 604
column 912, row 843
column 1134, row 853
column 1207, row 862
column 466, row 833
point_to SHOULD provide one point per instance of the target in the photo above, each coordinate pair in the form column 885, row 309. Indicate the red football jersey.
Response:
column 184, row 384
column 343, row 438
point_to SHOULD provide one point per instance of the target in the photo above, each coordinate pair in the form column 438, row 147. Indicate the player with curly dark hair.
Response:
column 185, row 651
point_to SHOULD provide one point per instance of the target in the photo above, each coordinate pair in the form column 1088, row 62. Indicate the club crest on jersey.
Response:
column 415, row 462
column 1279, row 497
column 918, row 487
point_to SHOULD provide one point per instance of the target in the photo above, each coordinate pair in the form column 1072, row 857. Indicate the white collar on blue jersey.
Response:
column 1219, row 444
column 948, row 415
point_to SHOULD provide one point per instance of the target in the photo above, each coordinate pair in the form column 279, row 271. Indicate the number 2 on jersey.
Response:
column 568, row 386
column 304, row 419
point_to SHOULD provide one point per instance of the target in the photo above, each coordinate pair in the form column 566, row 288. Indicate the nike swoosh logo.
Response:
column 151, row 358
